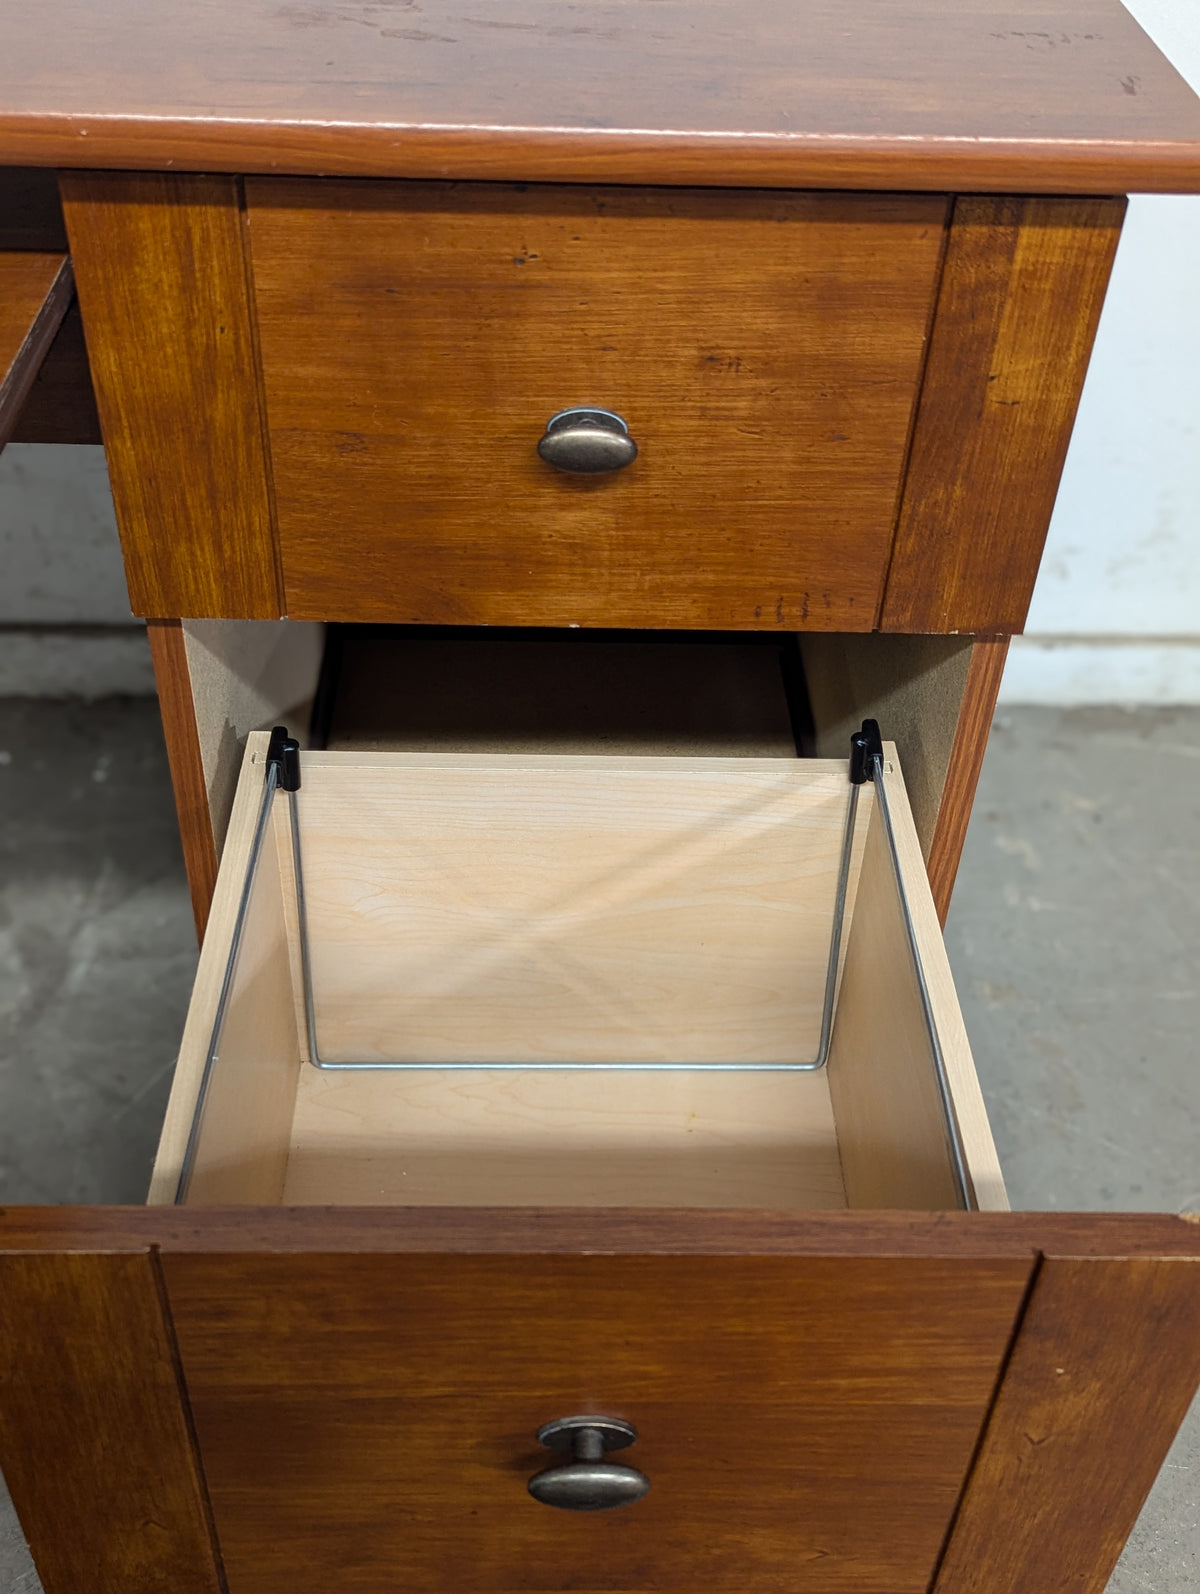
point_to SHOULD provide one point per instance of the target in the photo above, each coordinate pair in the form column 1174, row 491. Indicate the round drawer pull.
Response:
column 587, row 441
column 586, row 1482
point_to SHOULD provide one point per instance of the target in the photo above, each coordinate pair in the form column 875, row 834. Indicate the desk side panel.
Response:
column 1104, row 1367
column 166, row 309
column 95, row 1433
column 1020, row 298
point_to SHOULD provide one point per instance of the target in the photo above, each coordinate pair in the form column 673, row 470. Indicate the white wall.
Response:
column 65, row 625
column 58, row 538
column 1116, row 611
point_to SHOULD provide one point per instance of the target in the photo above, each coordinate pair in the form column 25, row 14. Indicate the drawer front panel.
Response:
column 368, row 1422
column 764, row 348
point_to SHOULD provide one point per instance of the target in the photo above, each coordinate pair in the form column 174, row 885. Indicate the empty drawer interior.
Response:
column 572, row 979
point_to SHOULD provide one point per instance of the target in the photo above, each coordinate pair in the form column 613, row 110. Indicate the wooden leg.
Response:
column 187, row 767
column 966, row 760
column 1105, row 1364
column 95, row 1433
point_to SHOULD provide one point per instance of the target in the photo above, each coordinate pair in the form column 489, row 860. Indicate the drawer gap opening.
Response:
column 520, row 689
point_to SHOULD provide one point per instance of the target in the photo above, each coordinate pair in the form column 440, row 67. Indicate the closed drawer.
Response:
column 804, row 1421
column 764, row 349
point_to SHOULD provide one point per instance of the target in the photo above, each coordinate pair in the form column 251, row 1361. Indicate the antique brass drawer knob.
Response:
column 587, row 1482
column 587, row 442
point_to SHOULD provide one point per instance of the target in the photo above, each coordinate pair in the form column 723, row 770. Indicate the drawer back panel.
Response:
column 765, row 349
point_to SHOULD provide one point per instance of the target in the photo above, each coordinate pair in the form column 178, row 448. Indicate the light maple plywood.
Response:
column 586, row 910
column 242, row 1152
column 488, row 1138
column 881, row 1072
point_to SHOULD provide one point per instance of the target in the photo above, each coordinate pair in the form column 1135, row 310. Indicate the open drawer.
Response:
column 299, row 1392
column 555, row 980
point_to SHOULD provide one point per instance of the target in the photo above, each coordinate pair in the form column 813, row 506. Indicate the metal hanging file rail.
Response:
column 282, row 775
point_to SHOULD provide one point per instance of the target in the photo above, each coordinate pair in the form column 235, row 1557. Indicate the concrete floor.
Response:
column 1074, row 935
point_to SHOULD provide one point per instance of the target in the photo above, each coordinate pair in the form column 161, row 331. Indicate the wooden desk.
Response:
column 840, row 268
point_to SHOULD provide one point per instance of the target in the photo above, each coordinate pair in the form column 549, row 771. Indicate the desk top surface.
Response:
column 1024, row 95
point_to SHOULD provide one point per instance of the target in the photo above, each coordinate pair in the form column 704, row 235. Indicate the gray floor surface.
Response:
column 1075, row 939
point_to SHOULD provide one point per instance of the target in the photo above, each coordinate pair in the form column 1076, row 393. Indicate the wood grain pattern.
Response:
column 1027, row 95
column 513, row 1138
column 764, row 348
column 476, row 1231
column 692, row 825
column 61, row 407
column 1017, row 311
column 94, row 1436
column 176, row 706
column 891, row 1122
column 165, row 305
column 806, row 1424
column 243, row 1154
column 1105, row 1365
column 619, row 910
column 966, row 761
column 539, row 909
column 35, row 290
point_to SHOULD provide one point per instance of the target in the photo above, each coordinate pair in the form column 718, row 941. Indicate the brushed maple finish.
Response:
column 94, row 1436
column 764, row 349
column 1105, row 1365
column 1024, row 95
column 806, row 1424
column 35, row 290
column 166, row 310
column 892, row 1129
column 1017, row 311
column 489, row 908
